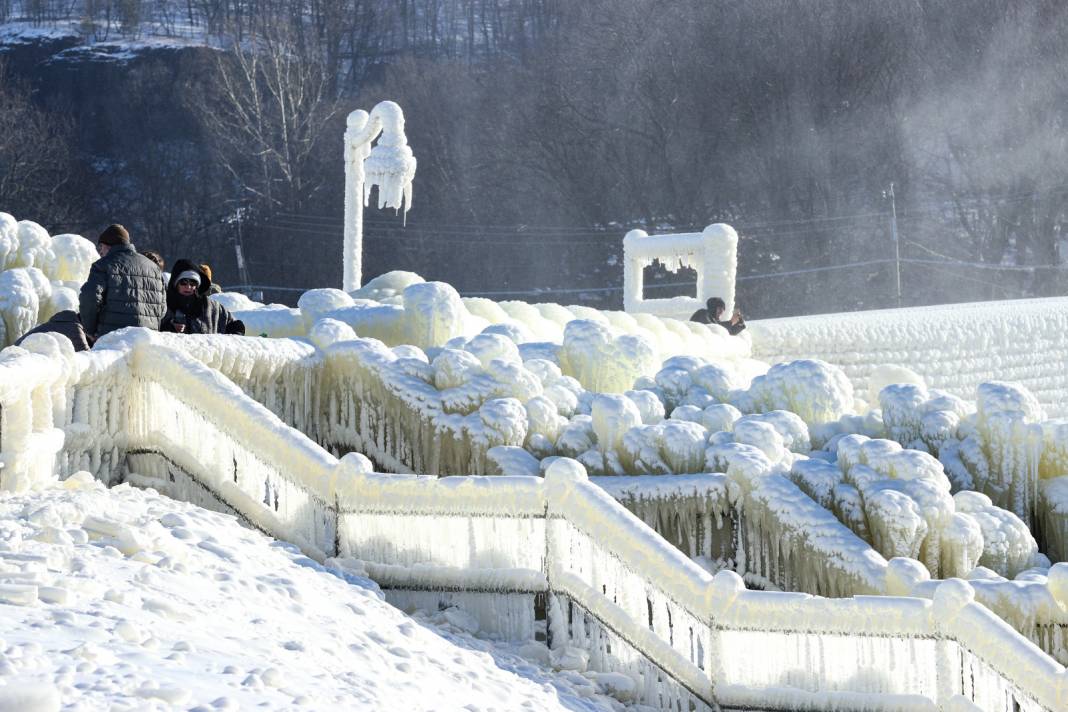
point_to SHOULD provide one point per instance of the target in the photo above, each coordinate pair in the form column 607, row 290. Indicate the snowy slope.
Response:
column 123, row 599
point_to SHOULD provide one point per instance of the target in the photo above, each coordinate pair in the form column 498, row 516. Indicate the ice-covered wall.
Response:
column 953, row 347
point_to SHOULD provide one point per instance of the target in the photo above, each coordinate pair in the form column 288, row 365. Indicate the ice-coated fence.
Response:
column 768, row 529
column 692, row 512
column 627, row 598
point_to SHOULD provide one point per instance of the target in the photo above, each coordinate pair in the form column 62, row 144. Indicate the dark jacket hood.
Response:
column 173, row 299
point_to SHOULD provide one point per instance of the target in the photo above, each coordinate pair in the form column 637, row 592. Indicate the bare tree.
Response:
column 35, row 156
column 266, row 113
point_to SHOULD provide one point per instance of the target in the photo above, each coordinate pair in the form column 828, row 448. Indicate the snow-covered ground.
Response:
column 123, row 599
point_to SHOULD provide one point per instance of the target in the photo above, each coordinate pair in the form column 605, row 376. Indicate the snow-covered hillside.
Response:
column 124, row 599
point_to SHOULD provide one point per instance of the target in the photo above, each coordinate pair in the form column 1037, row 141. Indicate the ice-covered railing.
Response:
column 29, row 440
column 399, row 308
column 953, row 347
column 58, row 409
column 631, row 603
column 186, row 418
column 776, row 535
column 666, row 622
column 282, row 374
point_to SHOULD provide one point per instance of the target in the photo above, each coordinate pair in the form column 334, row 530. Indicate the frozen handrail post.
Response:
column 390, row 165
column 713, row 253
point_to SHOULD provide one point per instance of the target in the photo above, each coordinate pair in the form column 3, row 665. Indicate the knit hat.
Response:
column 190, row 275
column 114, row 235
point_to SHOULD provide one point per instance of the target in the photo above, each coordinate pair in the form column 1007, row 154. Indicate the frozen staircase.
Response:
column 556, row 556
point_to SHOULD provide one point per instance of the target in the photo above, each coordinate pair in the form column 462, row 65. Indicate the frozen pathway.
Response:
column 124, row 599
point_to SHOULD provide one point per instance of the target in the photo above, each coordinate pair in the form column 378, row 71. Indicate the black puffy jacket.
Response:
column 66, row 323
column 124, row 289
column 202, row 315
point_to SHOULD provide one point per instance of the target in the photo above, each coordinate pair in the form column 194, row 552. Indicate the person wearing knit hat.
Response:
column 114, row 235
column 189, row 310
column 124, row 288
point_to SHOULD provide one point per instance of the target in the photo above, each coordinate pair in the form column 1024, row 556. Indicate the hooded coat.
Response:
column 202, row 315
column 124, row 288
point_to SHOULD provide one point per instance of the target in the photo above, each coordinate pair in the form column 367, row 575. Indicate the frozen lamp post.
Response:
column 390, row 165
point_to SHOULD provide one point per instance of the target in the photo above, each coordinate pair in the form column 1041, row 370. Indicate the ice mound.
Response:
column 603, row 360
column 316, row 303
column 899, row 500
column 38, row 274
column 816, row 391
column 386, row 286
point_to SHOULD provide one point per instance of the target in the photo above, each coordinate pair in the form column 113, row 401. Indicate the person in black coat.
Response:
column 189, row 310
column 713, row 312
column 124, row 288
column 67, row 323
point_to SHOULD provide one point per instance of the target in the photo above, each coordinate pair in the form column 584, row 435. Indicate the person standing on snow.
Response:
column 124, row 288
column 712, row 313
column 189, row 311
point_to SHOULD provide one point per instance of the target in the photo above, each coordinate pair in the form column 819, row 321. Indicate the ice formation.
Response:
column 558, row 421
column 814, row 390
column 39, row 274
column 389, row 165
column 1001, row 445
column 463, row 386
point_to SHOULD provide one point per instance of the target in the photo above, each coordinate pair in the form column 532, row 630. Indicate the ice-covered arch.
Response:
column 713, row 253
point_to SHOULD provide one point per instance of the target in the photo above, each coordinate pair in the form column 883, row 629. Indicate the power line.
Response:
column 812, row 270
column 933, row 209
column 960, row 277
column 984, row 265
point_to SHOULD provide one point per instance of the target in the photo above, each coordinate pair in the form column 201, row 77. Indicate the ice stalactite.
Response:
column 1053, row 517
column 1008, row 547
column 899, row 500
column 1011, row 441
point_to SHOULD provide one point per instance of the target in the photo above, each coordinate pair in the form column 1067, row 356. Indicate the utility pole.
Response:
column 897, row 244
column 239, row 248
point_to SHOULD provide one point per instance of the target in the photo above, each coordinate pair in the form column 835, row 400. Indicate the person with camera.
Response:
column 713, row 312
column 189, row 310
